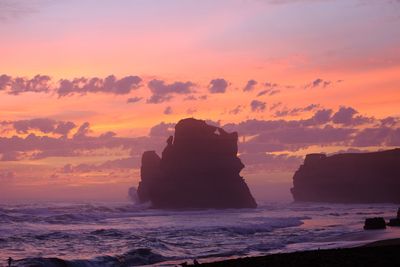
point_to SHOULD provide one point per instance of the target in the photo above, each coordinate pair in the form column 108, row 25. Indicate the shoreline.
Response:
column 377, row 253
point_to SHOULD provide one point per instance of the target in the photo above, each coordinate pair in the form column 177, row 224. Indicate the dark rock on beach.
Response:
column 394, row 222
column 349, row 178
column 199, row 168
column 377, row 255
column 374, row 223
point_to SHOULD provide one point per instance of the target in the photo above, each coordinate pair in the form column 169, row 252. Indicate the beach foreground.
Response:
column 380, row 253
column 122, row 234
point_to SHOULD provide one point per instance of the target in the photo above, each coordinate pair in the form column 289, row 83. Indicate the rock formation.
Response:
column 374, row 223
column 199, row 168
column 349, row 178
column 395, row 221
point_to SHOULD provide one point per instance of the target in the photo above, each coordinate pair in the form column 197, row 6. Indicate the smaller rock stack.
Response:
column 349, row 178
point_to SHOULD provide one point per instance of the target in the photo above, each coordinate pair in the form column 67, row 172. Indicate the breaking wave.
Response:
column 136, row 257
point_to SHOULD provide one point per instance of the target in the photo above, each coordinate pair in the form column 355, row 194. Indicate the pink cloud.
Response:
column 162, row 92
column 218, row 86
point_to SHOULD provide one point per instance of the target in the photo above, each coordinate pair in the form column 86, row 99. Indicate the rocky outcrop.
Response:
column 349, row 178
column 374, row 223
column 199, row 168
column 395, row 221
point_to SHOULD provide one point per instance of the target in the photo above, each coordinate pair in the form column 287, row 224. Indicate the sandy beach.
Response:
column 377, row 253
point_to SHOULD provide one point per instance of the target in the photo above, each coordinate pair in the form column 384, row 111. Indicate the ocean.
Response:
column 124, row 234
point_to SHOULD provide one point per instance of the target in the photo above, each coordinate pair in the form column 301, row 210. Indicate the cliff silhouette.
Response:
column 199, row 168
column 349, row 178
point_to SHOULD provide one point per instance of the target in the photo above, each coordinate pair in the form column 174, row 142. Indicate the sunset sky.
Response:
column 87, row 86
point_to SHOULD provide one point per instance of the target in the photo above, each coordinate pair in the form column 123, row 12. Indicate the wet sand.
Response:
column 378, row 253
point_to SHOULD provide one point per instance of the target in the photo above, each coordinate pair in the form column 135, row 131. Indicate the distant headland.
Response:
column 349, row 178
column 199, row 168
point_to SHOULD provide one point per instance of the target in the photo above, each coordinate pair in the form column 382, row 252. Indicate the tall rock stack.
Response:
column 349, row 178
column 199, row 168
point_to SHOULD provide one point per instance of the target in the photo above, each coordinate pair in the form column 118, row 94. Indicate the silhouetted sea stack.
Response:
column 349, row 178
column 199, row 168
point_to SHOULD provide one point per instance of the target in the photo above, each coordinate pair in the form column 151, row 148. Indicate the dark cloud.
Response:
column 257, row 146
column 155, row 99
column 5, row 82
column 263, row 92
column 83, row 130
column 252, row 127
column 274, row 92
column 190, row 98
column 79, row 168
column 44, row 125
column 65, row 87
column 57, row 152
column 270, row 162
column 218, row 86
column 346, row 116
column 110, row 85
column 163, row 92
column 193, row 98
column 310, row 107
column 275, row 105
column 292, row 135
column 260, row 141
column 162, row 130
column 305, row 136
column 257, row 106
column 132, row 162
column 295, row 111
column 129, row 163
column 18, row 85
column 322, row 116
column 68, row 168
column 372, row 137
column 270, row 85
column 236, row 110
column 38, row 147
column 282, row 113
column 250, row 86
column 168, row 110
column 64, row 128
column 389, row 121
column 378, row 136
column 269, row 92
column 319, row 83
column 394, row 138
column 80, row 144
column 134, row 99
column 275, row 136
